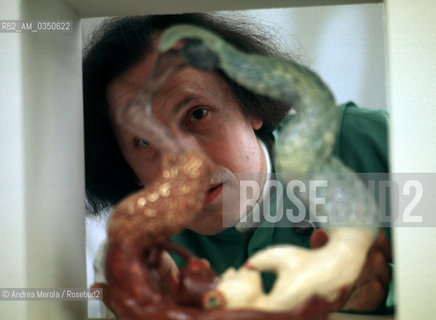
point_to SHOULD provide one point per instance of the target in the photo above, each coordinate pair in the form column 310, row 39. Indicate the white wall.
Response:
column 343, row 44
column 42, row 228
column 411, row 29
column 12, row 214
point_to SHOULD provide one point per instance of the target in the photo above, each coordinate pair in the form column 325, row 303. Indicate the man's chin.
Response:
column 212, row 219
column 208, row 221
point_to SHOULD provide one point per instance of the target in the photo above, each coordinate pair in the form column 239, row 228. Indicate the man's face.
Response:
column 200, row 109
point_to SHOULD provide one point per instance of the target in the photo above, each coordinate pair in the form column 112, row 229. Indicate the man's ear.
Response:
column 256, row 124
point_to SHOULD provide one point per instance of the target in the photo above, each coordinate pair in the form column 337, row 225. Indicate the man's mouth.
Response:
column 212, row 193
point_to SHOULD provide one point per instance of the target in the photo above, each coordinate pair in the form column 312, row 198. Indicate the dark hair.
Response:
column 119, row 44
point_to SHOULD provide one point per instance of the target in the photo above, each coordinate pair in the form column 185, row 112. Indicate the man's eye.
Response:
column 199, row 114
column 141, row 142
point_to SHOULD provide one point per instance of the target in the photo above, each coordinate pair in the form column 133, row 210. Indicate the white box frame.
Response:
column 42, row 232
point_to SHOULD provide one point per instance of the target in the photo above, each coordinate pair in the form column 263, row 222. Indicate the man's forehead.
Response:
column 187, row 82
column 128, row 83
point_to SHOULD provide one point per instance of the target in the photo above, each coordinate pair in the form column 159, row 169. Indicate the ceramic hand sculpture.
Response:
column 308, row 282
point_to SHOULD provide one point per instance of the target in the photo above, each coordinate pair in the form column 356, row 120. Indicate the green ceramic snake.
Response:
column 304, row 146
